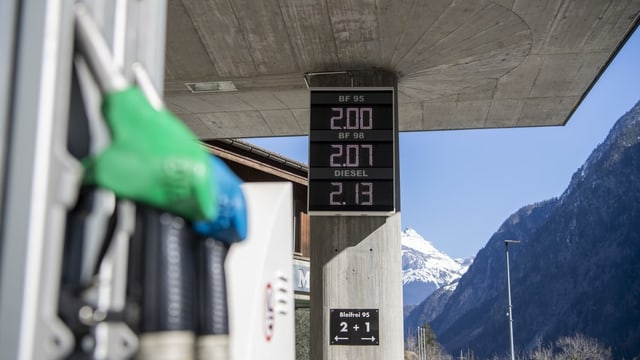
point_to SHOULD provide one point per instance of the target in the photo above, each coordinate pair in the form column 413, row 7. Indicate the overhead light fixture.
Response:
column 211, row 86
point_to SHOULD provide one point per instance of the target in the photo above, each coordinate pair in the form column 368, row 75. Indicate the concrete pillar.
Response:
column 356, row 262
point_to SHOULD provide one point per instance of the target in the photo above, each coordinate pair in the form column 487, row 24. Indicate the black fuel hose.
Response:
column 169, row 294
column 212, row 290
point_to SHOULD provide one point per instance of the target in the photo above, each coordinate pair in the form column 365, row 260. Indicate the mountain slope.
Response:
column 481, row 292
column 576, row 270
column 424, row 268
column 428, row 309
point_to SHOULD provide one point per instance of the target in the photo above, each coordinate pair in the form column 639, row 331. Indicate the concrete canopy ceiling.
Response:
column 460, row 64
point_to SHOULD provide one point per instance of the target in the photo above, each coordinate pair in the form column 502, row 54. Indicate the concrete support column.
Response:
column 356, row 262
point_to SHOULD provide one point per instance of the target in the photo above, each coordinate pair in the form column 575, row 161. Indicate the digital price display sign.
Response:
column 352, row 151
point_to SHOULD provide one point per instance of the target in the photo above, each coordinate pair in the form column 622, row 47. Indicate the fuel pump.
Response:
column 150, row 253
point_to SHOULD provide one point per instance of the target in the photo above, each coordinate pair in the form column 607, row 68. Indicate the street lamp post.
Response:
column 506, row 243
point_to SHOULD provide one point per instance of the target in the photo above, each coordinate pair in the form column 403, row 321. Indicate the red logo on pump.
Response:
column 269, row 312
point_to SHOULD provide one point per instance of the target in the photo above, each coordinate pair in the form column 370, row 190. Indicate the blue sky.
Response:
column 457, row 187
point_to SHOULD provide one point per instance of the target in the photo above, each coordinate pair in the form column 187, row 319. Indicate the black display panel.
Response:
column 338, row 154
column 350, row 195
column 352, row 151
column 353, row 117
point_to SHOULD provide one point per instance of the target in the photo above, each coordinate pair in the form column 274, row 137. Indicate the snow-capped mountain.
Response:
column 425, row 268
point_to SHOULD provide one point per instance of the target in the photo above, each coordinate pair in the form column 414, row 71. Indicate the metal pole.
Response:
column 420, row 344
column 506, row 243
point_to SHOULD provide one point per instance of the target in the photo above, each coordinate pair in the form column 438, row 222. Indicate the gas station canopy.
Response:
column 241, row 68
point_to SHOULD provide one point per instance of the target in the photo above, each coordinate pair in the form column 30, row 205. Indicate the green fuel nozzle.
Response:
column 153, row 157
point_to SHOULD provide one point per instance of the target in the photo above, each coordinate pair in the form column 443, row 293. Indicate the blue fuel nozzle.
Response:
column 230, row 224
